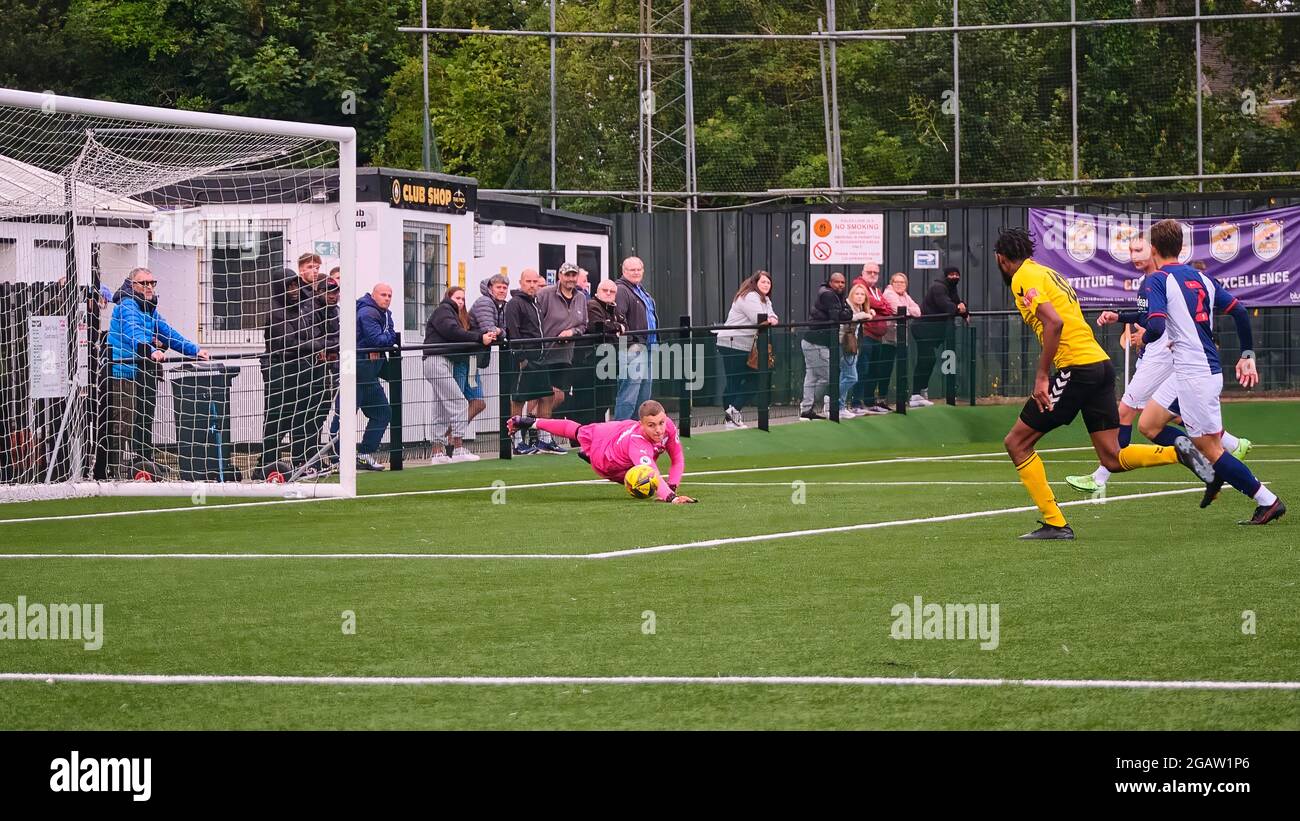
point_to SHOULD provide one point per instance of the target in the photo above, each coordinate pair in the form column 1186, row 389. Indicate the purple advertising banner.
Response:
column 1255, row 256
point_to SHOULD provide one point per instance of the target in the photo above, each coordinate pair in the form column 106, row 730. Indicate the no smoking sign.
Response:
column 847, row 239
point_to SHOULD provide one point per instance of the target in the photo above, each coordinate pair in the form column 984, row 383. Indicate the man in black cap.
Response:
column 940, row 305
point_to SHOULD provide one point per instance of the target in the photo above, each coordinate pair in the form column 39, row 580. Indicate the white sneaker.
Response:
column 918, row 401
column 733, row 416
column 730, row 425
column 440, row 458
column 465, row 456
column 849, row 413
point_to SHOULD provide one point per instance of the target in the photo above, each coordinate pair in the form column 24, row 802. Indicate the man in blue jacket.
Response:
column 138, row 339
column 374, row 330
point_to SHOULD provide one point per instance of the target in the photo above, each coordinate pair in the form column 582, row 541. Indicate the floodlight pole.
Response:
column 553, row 112
column 428, row 125
column 956, row 105
column 690, row 157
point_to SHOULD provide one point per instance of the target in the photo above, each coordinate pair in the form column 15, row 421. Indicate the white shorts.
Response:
column 1198, row 403
column 1166, row 394
column 1151, row 373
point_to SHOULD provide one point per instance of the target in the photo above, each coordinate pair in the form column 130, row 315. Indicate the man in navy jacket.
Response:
column 374, row 330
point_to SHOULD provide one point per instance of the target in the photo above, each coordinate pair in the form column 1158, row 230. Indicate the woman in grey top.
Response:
column 753, row 298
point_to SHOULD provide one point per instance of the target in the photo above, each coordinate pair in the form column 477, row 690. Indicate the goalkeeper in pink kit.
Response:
column 613, row 448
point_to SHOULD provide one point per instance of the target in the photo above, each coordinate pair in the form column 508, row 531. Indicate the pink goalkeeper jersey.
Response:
column 614, row 447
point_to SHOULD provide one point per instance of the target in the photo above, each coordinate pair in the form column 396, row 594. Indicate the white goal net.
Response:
column 177, row 310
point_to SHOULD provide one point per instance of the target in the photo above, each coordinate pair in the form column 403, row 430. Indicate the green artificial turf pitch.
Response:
column 1154, row 589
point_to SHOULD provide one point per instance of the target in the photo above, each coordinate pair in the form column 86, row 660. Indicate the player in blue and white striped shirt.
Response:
column 1181, row 302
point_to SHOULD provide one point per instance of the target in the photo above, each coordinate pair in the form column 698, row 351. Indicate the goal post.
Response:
column 169, row 324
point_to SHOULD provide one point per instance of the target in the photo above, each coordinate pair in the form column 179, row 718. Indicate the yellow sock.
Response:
column 1034, row 478
column 1146, row 456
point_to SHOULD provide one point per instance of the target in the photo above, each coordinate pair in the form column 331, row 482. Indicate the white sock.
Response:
column 1229, row 441
column 1101, row 475
column 1264, row 496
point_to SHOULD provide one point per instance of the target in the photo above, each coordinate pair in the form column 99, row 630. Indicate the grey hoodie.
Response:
column 486, row 313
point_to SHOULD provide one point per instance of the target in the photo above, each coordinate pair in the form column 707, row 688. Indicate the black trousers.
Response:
column 742, row 380
column 882, row 367
column 296, row 402
column 929, row 338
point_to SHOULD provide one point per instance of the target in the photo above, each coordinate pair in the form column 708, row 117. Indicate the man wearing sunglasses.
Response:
column 138, row 340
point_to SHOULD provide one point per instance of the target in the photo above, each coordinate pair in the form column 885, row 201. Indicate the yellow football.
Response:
column 641, row 482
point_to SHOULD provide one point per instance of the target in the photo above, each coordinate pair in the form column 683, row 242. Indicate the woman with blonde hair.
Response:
column 754, row 297
column 850, row 346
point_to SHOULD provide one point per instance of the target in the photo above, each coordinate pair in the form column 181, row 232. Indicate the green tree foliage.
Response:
column 758, row 105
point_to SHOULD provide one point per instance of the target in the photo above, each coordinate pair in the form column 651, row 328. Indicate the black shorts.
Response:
column 534, row 383
column 1087, row 388
column 561, row 376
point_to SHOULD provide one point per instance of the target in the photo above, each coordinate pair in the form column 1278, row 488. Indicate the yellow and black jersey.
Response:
column 1032, row 285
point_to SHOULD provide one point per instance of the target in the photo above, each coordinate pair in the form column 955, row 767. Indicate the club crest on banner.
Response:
column 1225, row 241
column 1121, row 234
column 1268, row 239
column 1081, row 240
column 1189, row 244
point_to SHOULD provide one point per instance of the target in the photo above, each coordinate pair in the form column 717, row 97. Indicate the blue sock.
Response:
column 1125, row 435
column 1167, row 436
column 1231, row 470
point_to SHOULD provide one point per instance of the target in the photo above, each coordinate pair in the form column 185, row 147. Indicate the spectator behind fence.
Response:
column 449, row 324
column 138, row 339
column 604, row 318
column 564, row 314
column 524, row 322
column 870, row 353
column 374, row 330
column 829, row 307
column 486, row 314
column 940, row 305
column 582, row 408
column 851, row 347
column 896, row 297
column 292, row 371
column 635, row 378
column 324, row 374
column 736, row 347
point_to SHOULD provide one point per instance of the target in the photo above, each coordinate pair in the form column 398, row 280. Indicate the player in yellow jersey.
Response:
column 1084, row 382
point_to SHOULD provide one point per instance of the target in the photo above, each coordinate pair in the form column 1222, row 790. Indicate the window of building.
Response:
column 242, row 258
column 425, row 271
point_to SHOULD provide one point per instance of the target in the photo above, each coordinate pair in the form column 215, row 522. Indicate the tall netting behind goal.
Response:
column 177, row 311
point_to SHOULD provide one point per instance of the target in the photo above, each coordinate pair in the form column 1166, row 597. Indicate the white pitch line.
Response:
column 527, row 681
column 914, row 484
column 611, row 554
column 791, row 534
column 491, row 488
